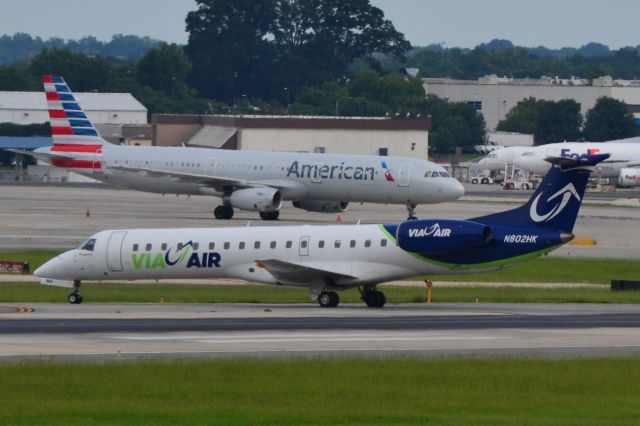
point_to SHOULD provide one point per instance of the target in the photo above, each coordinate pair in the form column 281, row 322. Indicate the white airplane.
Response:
column 623, row 165
column 247, row 180
column 329, row 258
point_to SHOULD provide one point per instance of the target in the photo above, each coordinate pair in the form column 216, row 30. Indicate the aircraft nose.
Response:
column 48, row 269
column 457, row 189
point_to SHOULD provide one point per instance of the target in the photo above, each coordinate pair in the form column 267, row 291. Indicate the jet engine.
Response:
column 629, row 177
column 434, row 236
column 256, row 199
column 322, row 206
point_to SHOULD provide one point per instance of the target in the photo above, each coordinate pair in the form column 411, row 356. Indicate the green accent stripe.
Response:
column 463, row 267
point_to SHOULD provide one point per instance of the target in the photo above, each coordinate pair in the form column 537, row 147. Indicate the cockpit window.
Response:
column 445, row 174
column 88, row 245
column 529, row 154
column 427, row 174
column 491, row 156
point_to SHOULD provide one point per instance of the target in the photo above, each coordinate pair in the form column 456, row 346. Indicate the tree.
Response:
column 256, row 48
column 557, row 122
column 165, row 68
column 84, row 73
column 523, row 118
column 609, row 119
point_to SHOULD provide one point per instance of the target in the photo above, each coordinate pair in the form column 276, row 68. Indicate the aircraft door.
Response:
column 404, row 173
column 303, row 248
column 211, row 166
column 114, row 251
column 315, row 174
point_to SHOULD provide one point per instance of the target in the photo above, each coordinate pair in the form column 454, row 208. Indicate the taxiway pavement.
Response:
column 116, row 331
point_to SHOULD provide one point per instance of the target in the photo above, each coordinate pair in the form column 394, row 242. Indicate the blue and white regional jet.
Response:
column 329, row 258
column 248, row 180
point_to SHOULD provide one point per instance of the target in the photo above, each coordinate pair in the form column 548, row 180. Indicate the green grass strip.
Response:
column 325, row 391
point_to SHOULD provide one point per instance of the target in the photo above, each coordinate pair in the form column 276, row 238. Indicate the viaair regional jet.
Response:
column 248, row 180
column 326, row 259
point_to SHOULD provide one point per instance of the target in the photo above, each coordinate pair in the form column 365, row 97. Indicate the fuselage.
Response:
column 299, row 176
column 358, row 254
column 532, row 159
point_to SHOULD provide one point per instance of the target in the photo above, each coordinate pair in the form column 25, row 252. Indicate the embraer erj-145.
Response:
column 623, row 164
column 338, row 257
column 247, row 180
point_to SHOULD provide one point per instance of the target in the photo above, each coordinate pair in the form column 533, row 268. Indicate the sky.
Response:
column 454, row 23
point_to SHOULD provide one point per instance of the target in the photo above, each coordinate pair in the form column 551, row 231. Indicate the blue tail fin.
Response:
column 556, row 202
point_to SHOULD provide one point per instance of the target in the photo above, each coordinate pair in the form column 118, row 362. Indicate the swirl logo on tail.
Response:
column 567, row 192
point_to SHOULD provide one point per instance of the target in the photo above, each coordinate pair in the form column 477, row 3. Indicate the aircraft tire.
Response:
column 375, row 299
column 270, row 215
column 328, row 299
column 223, row 212
column 74, row 298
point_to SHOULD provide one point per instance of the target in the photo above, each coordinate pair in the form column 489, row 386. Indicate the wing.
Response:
column 292, row 272
column 217, row 182
column 220, row 183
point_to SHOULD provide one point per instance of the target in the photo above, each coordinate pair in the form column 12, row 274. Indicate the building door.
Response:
column 114, row 251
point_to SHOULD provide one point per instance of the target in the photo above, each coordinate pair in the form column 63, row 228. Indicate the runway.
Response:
column 106, row 331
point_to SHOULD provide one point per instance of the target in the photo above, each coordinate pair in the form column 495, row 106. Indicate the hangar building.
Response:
column 496, row 96
column 339, row 135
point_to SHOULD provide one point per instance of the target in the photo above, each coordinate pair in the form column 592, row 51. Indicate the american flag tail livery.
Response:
column 73, row 133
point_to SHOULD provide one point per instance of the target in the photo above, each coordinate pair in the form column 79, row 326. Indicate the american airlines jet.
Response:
column 248, row 180
column 623, row 165
column 329, row 258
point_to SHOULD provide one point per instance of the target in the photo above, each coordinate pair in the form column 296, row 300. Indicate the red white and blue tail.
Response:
column 69, row 123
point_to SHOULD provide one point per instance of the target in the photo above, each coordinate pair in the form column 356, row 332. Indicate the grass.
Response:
column 34, row 257
column 170, row 293
column 360, row 391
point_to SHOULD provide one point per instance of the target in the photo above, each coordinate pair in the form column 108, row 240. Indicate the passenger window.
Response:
column 321, row 244
column 256, row 245
column 383, row 242
column 212, row 246
column 352, row 244
column 241, row 245
column 227, row 245
column 180, row 246
column 148, row 247
column 196, row 246
column 337, row 244
column 164, row 246
column 135, row 247
column 289, row 244
column 367, row 243
column 273, row 244
column 89, row 245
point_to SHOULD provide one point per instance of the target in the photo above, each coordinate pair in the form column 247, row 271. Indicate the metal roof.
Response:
column 89, row 101
column 25, row 142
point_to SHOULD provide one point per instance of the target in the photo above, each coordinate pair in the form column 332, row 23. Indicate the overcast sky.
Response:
column 456, row 23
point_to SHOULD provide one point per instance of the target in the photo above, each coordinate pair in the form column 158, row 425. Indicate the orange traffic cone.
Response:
column 339, row 217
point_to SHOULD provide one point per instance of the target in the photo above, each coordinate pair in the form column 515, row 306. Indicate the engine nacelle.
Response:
column 629, row 177
column 322, row 206
column 434, row 236
column 256, row 199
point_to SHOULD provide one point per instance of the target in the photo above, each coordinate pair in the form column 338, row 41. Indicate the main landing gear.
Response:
column 372, row 297
column 411, row 209
column 223, row 212
column 75, row 297
column 270, row 215
column 328, row 299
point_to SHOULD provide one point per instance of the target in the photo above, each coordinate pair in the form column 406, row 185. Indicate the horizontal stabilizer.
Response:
column 45, row 156
column 566, row 163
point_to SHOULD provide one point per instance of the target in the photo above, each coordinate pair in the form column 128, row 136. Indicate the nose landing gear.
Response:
column 75, row 297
